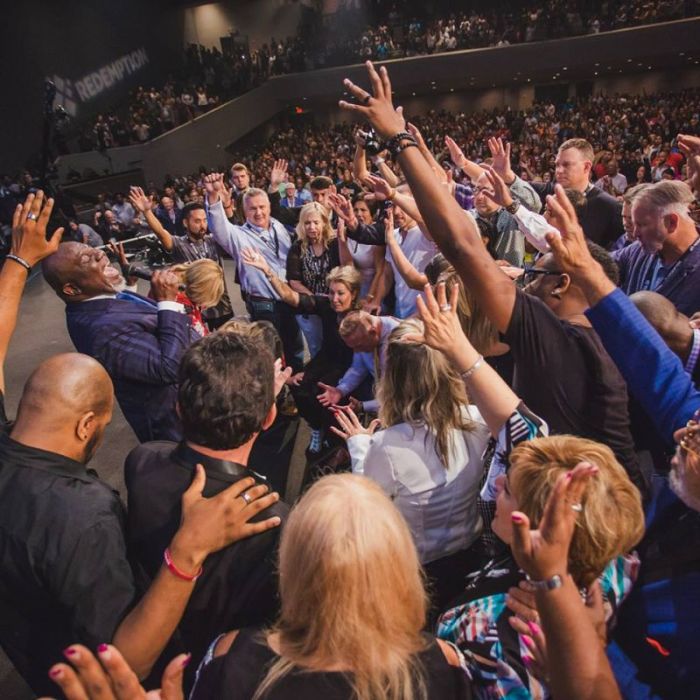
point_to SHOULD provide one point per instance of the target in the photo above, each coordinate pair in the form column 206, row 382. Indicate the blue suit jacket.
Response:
column 141, row 349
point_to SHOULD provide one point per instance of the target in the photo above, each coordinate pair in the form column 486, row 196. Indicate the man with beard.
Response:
column 196, row 244
column 139, row 341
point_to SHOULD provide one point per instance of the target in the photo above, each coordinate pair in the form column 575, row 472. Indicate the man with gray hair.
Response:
column 265, row 237
column 665, row 258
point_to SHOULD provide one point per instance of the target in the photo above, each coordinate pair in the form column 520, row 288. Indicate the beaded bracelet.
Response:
column 177, row 572
column 19, row 261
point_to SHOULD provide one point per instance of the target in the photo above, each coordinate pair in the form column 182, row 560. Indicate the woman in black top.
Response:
column 352, row 610
column 334, row 357
column 312, row 256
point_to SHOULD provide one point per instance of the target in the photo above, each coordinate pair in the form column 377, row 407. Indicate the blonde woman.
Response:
column 428, row 458
column 352, row 612
column 203, row 282
column 312, row 256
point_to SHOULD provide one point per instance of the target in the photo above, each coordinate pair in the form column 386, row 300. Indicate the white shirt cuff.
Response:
column 171, row 306
column 358, row 446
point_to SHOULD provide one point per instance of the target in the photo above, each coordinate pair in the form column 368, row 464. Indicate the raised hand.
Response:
column 415, row 132
column 349, row 423
column 214, row 186
column 251, row 257
column 278, row 174
column 210, row 524
column 343, row 208
column 381, row 189
column 29, row 222
column 330, row 396
column 376, row 107
column 456, row 153
column 544, row 552
column 441, row 327
column 111, row 678
column 690, row 148
column 139, row 200
column 281, row 376
column 569, row 249
column 500, row 152
column 499, row 193
column 226, row 195
column 389, row 237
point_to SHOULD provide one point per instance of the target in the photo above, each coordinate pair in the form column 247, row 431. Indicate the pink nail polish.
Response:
column 70, row 653
column 102, row 648
column 56, row 672
column 534, row 627
column 527, row 660
column 186, row 660
column 516, row 518
column 569, row 475
column 528, row 642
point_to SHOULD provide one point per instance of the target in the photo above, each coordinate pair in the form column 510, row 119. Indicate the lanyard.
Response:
column 276, row 248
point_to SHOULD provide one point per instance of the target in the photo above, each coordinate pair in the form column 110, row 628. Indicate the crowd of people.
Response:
column 500, row 373
column 207, row 77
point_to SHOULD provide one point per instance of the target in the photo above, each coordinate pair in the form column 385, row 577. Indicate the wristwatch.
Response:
column 513, row 206
column 549, row 584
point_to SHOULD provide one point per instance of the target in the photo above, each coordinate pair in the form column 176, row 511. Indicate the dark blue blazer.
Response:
column 141, row 349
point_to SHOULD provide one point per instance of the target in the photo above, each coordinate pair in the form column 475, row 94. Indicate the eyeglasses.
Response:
column 531, row 273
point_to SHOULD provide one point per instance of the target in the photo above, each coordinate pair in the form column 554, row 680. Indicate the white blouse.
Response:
column 438, row 503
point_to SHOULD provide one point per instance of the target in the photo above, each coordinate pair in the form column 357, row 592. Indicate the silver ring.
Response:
column 446, row 307
column 245, row 497
column 32, row 217
column 577, row 507
column 366, row 99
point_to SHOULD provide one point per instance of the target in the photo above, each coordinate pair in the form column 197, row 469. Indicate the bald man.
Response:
column 66, row 577
column 674, row 327
column 138, row 341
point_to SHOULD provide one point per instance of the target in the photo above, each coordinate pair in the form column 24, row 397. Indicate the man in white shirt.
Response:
column 269, row 238
column 419, row 251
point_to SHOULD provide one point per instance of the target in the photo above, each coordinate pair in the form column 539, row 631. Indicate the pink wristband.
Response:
column 177, row 572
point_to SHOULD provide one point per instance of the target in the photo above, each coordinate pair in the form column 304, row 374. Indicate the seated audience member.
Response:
column 655, row 644
column 196, row 244
column 291, row 198
column 269, row 238
column 312, row 256
column 665, row 258
column 429, row 457
column 367, row 336
column 139, row 341
column 169, row 216
column 226, row 397
column 82, row 233
column 562, row 371
column 353, row 610
column 601, row 219
column 66, row 574
column 334, row 357
column 204, row 285
column 321, row 188
column 609, row 524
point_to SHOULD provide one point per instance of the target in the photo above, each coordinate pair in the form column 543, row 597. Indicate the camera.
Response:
column 372, row 144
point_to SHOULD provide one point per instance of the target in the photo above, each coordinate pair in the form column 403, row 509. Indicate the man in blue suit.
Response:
column 139, row 341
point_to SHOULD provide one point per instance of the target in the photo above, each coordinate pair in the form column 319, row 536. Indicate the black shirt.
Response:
column 238, row 586
column 310, row 269
column 601, row 218
column 564, row 375
column 65, row 576
column 239, row 672
column 333, row 347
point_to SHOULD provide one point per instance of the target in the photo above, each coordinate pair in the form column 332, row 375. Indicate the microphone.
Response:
column 143, row 273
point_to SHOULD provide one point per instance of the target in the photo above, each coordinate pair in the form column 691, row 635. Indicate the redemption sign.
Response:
column 70, row 93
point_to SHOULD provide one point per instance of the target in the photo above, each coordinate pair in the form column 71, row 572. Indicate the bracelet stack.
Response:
column 400, row 142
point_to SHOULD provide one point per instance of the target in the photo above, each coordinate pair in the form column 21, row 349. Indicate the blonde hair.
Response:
column 581, row 145
column 203, row 280
column 350, row 277
column 419, row 386
column 612, row 519
column 327, row 233
column 351, row 591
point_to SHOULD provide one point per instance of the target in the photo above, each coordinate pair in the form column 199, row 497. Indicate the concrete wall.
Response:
column 259, row 20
